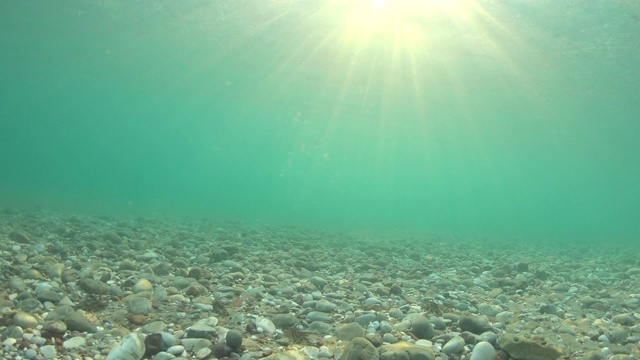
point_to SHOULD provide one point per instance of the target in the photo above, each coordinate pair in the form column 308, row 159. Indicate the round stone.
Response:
column 142, row 285
column 234, row 339
column 25, row 320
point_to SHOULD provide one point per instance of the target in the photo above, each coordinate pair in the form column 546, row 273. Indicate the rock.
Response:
column 623, row 319
column 195, row 344
column 203, row 331
column 266, row 325
column 25, row 320
column 176, row 350
column 405, row 351
column 359, row 349
column 131, row 348
column 51, row 296
column 154, row 327
column 318, row 282
column 422, row 328
column 234, row 339
column 366, row 319
column 318, row 316
column 483, row 351
column 48, row 352
column 20, row 237
column 284, row 321
column 349, row 331
column 528, row 348
column 77, row 321
column 474, row 324
column 319, row 327
column 112, row 237
column 325, row 306
column 153, row 344
column 594, row 355
column 94, row 287
column 139, row 305
column 74, row 343
column 454, row 346
column 56, row 327
column 142, row 285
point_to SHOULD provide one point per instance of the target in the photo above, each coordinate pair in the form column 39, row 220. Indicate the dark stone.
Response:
column 359, row 349
column 234, row 339
column 153, row 344
column 422, row 328
column 474, row 324
column 112, row 238
column 522, row 267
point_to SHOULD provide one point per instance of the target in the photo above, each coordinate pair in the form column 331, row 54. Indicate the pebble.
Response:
column 24, row 320
column 175, row 350
column 74, row 343
column 48, row 352
column 483, row 351
column 454, row 346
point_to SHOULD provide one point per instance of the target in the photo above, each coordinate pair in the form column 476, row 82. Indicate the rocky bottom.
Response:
column 81, row 287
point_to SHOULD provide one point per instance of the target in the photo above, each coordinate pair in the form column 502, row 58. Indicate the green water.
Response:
column 497, row 118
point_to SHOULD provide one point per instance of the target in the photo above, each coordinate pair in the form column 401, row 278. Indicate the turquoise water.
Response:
column 513, row 119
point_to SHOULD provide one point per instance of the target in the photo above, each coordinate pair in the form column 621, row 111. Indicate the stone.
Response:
column 359, row 349
column 474, row 324
column 94, row 287
column 131, row 348
column 142, row 285
column 483, row 351
column 25, row 320
column 349, row 331
column 422, row 328
column 454, row 346
column 528, row 348
column 112, row 237
column 48, row 352
column 234, row 339
column 139, row 305
column 74, row 343
column 283, row 321
column 195, row 344
column 153, row 344
column 405, row 351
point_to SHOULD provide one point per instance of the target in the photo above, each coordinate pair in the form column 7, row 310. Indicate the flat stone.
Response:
column 359, row 349
column 405, row 351
column 74, row 343
column 528, row 348
column 349, row 331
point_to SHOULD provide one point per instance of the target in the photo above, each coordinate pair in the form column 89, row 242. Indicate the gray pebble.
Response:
column 454, row 346
column 366, row 319
column 396, row 313
column 349, row 331
column 25, row 320
column 483, row 351
column 139, row 305
column 320, row 327
column 318, row 282
column 388, row 338
column 623, row 319
column 48, row 352
column 318, row 316
column 234, row 339
column 176, row 350
column 30, row 353
column 154, row 327
column 325, row 306
column 163, row 355
column 195, row 344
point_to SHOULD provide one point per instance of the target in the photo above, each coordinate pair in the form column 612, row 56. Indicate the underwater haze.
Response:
column 515, row 119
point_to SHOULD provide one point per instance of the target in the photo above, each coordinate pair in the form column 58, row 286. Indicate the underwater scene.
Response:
column 320, row 179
